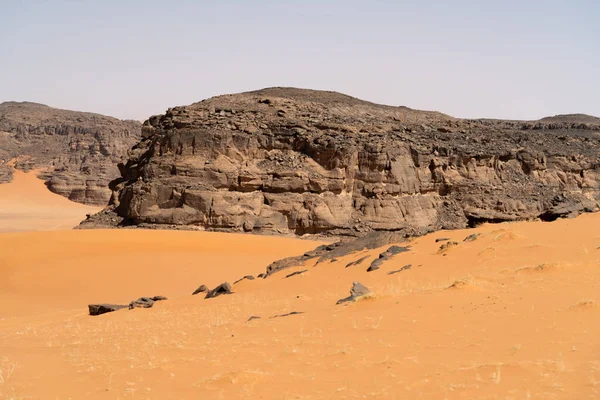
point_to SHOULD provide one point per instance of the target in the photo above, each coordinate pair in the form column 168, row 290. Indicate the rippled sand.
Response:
column 514, row 314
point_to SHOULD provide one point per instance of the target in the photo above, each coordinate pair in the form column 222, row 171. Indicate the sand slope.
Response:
column 514, row 314
column 27, row 205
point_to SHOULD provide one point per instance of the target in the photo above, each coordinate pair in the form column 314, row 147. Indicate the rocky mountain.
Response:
column 79, row 151
column 285, row 160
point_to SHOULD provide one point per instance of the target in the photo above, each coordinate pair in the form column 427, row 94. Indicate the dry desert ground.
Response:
column 513, row 314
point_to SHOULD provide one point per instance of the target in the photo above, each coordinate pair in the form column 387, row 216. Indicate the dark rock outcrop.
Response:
column 223, row 288
column 342, row 248
column 286, row 160
column 79, row 150
column 99, row 309
column 386, row 255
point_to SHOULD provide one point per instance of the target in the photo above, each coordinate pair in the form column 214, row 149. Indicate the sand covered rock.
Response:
column 286, row 160
column 223, row 288
column 99, row 309
column 386, row 255
column 145, row 302
column 201, row 289
column 357, row 292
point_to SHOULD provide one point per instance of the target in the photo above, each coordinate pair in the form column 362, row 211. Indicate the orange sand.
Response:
column 26, row 205
column 513, row 315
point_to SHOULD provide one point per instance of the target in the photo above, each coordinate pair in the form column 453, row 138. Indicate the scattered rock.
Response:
column 145, row 302
column 356, row 262
column 386, row 255
column 357, row 292
column 99, row 309
column 441, row 240
column 223, row 288
column 407, row 266
column 201, row 289
column 296, row 273
column 247, row 277
column 472, row 237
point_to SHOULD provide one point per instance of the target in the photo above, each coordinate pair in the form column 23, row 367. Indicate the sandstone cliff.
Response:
column 78, row 150
column 286, row 160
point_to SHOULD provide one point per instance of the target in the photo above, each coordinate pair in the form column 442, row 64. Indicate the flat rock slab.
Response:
column 223, row 288
column 357, row 291
column 99, row 309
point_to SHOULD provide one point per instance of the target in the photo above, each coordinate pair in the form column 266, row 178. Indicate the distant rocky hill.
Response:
column 80, row 150
column 286, row 160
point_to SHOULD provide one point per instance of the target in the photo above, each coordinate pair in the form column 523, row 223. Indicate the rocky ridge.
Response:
column 78, row 151
column 294, row 161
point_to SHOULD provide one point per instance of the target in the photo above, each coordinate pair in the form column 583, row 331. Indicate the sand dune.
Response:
column 27, row 205
column 480, row 321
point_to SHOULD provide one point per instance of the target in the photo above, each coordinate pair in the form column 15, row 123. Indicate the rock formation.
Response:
column 80, row 150
column 285, row 160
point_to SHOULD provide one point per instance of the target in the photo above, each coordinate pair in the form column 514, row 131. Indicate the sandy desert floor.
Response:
column 26, row 204
column 514, row 314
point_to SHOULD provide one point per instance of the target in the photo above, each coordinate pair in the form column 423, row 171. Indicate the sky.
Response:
column 132, row 59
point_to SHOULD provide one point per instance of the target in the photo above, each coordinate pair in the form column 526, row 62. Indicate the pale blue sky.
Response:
column 469, row 58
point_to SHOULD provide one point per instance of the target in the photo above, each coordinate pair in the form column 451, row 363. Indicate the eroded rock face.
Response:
column 80, row 150
column 300, row 161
